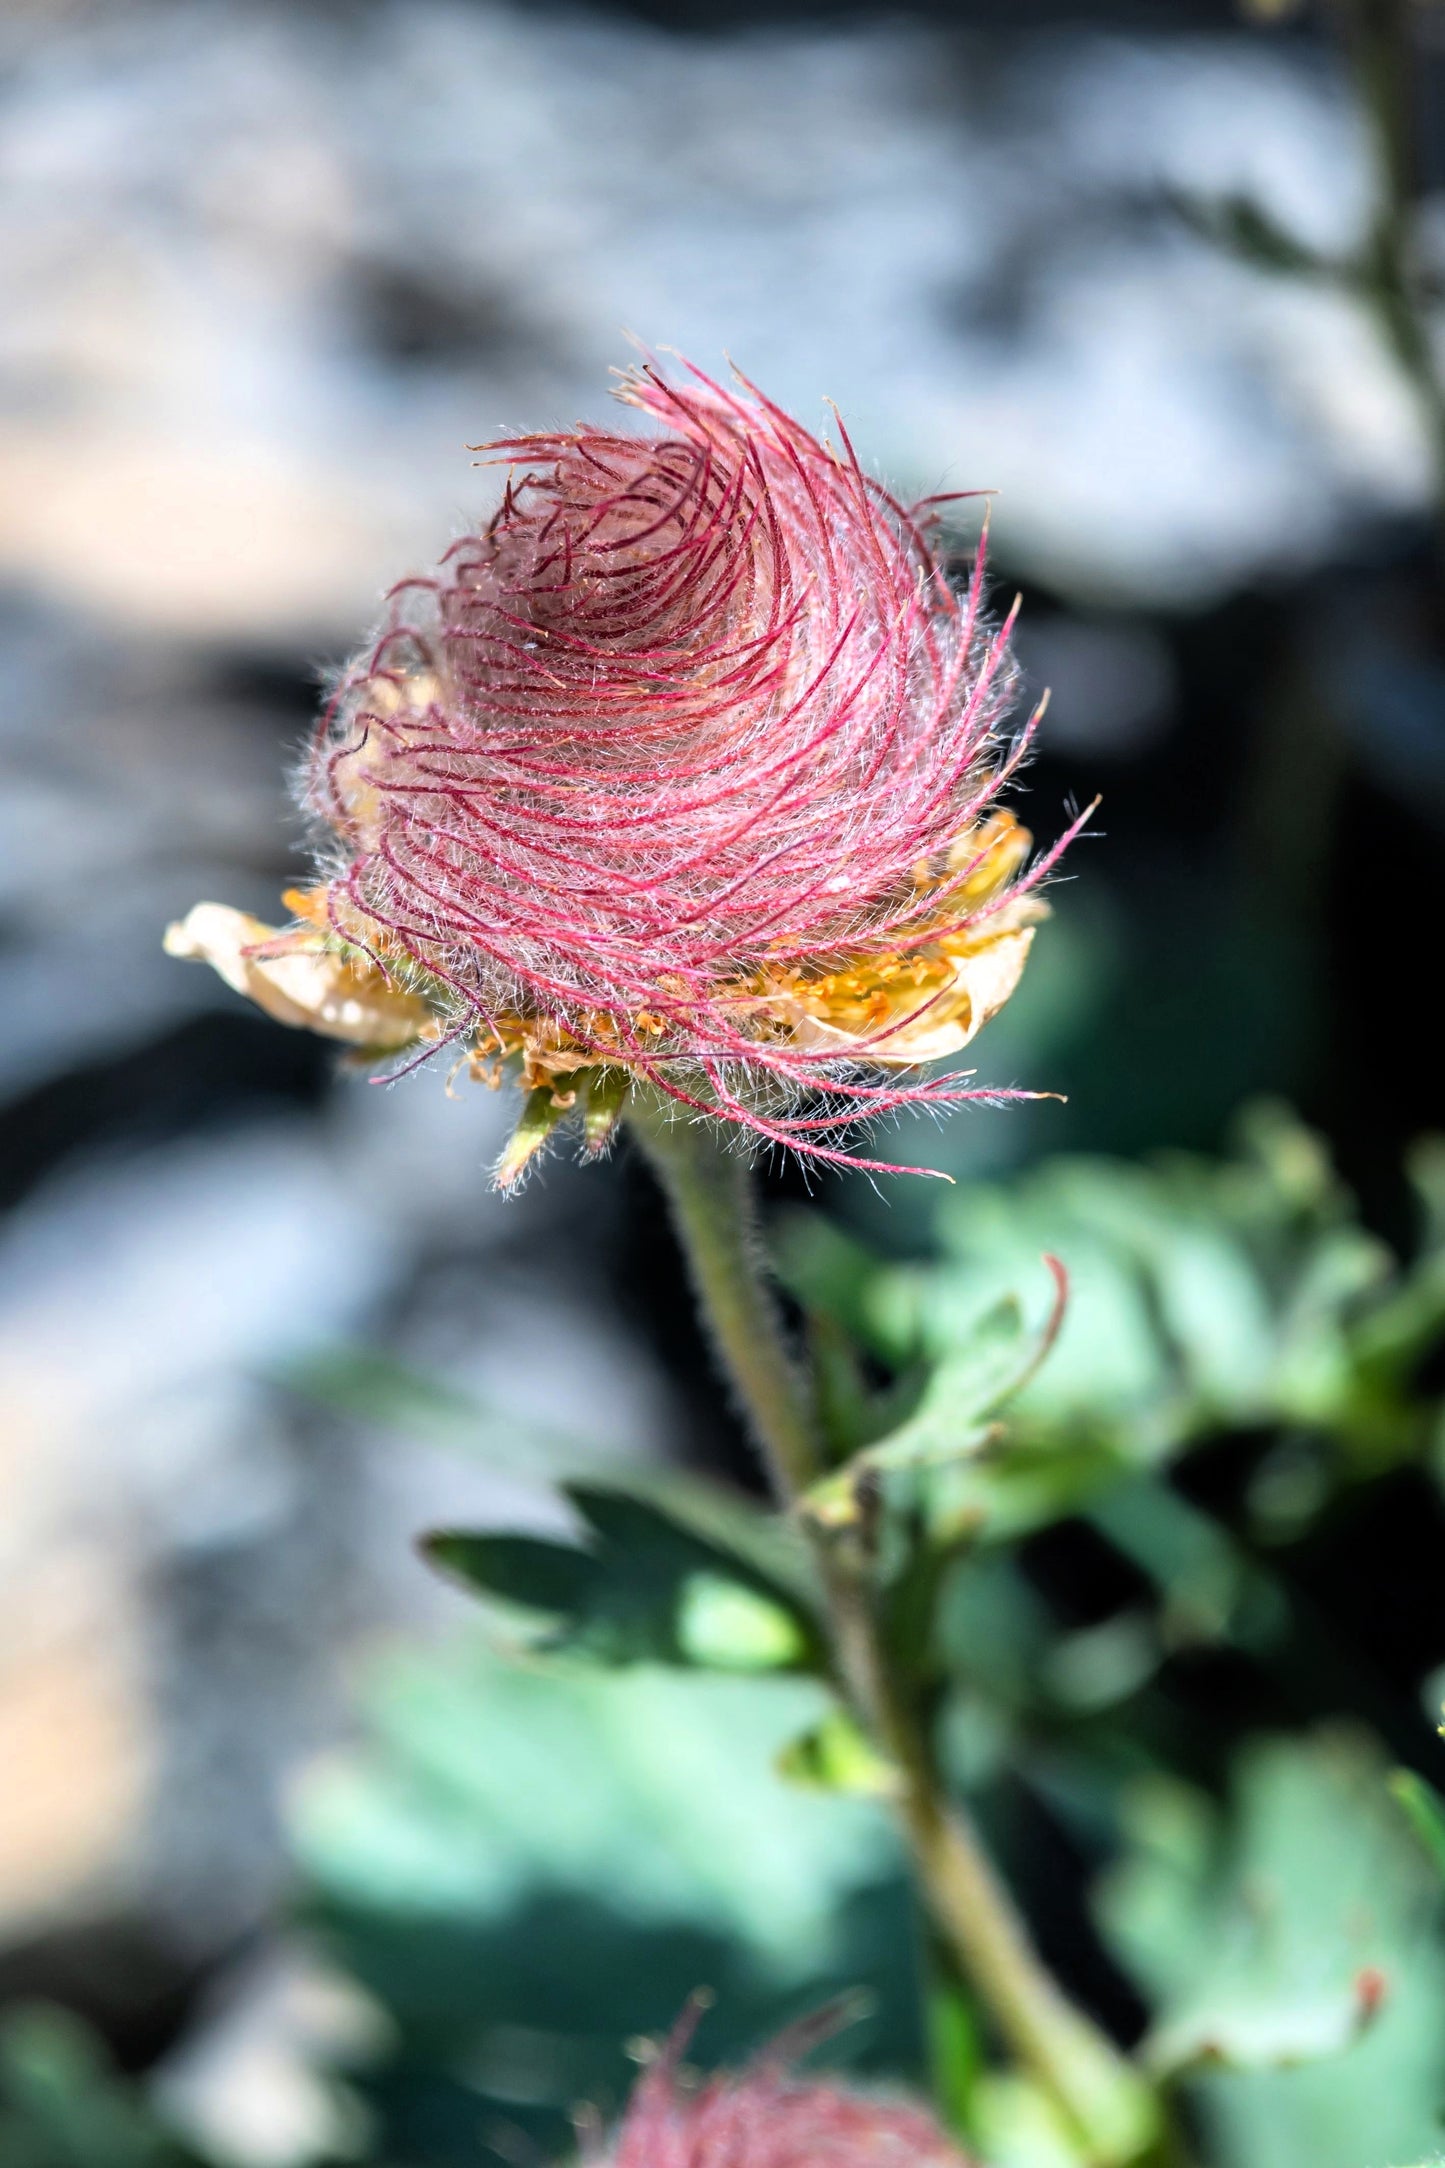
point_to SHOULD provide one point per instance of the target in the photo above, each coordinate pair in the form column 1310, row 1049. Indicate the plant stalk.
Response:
column 1098, row 2092
column 714, row 1212
column 1378, row 38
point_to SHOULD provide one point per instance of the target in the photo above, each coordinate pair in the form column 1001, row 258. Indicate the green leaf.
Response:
column 974, row 1379
column 836, row 1756
column 834, row 1275
column 527, row 1866
column 953, row 1422
column 685, row 1576
column 1205, row 1296
column 63, row 2105
column 759, row 1545
column 725, row 1626
column 1017, row 2125
column 956, row 2052
column 1281, row 1946
column 1210, row 1588
column 1425, row 1811
column 491, row 1791
column 377, row 1388
column 555, row 1578
column 1246, row 230
column 850, row 1413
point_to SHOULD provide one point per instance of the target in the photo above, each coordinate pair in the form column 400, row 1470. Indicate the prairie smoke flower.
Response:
column 764, row 2117
column 679, row 773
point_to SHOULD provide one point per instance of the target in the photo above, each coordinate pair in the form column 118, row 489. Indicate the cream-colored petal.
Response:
column 982, row 980
column 299, row 980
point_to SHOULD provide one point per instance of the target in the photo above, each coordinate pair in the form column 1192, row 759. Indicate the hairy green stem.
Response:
column 1098, row 2092
column 1102, row 2098
column 714, row 1211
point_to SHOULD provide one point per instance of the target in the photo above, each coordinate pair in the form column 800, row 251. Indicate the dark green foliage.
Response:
column 1247, row 230
column 671, row 1571
column 528, row 1867
column 1425, row 1811
column 540, row 1851
column 1205, row 1297
column 62, row 2105
column 1207, row 1302
column 1291, row 1944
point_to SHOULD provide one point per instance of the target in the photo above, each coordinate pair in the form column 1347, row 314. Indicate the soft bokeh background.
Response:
column 265, row 273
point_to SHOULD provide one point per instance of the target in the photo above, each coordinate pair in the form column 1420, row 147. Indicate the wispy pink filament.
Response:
column 703, row 702
column 766, row 2118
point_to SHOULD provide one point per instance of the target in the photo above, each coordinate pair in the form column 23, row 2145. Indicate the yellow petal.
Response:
column 993, row 850
column 938, row 1008
column 983, row 980
column 297, row 978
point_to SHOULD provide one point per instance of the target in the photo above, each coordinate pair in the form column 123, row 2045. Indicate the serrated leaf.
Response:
column 690, row 1582
column 536, row 1797
column 963, row 1392
column 1267, row 2035
column 1205, row 1296
column 952, row 1425
column 748, row 1539
column 1282, row 1948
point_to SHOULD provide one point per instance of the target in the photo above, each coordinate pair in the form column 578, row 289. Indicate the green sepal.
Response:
column 542, row 1110
column 605, row 1096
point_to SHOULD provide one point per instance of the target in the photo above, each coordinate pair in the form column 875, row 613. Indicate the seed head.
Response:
column 764, row 2117
column 677, row 774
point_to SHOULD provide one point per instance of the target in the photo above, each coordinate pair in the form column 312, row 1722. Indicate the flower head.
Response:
column 678, row 772
column 764, row 2117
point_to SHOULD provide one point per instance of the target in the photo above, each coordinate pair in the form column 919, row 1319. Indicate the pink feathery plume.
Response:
column 765, row 2117
column 692, row 707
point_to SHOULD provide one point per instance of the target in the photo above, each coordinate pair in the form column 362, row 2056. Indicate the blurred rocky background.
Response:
column 266, row 272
